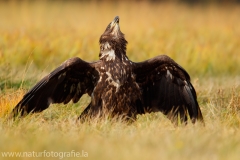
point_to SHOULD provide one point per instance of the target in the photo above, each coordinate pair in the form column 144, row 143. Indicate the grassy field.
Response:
column 35, row 37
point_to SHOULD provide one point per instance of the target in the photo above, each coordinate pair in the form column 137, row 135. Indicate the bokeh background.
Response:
column 202, row 36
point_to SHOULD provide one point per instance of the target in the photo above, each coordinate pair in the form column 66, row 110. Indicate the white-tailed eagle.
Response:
column 117, row 86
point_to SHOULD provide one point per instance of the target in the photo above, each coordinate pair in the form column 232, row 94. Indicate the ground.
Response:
column 36, row 37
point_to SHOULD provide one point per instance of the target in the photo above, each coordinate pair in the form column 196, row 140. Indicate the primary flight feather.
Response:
column 117, row 86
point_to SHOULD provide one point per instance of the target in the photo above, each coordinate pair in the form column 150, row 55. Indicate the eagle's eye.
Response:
column 108, row 27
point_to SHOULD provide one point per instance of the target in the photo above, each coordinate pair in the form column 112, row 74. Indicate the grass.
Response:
column 37, row 36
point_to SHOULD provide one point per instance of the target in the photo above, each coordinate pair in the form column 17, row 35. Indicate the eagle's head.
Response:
column 112, row 41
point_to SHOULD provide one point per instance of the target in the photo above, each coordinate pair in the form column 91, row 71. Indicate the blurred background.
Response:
column 37, row 36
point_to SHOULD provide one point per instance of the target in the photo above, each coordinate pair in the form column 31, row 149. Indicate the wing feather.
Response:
column 166, row 87
column 69, row 81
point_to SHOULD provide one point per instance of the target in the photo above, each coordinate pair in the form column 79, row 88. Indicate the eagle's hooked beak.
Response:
column 114, row 26
column 113, row 29
column 115, row 21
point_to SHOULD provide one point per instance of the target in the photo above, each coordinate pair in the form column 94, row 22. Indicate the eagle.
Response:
column 118, row 87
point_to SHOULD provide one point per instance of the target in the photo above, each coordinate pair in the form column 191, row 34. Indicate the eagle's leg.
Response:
column 90, row 112
column 85, row 114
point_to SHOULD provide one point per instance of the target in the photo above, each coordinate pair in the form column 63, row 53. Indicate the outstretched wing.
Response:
column 166, row 87
column 69, row 81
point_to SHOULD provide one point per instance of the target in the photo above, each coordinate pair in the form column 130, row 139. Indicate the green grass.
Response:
column 35, row 37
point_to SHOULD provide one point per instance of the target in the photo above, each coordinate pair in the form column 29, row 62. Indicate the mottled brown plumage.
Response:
column 117, row 86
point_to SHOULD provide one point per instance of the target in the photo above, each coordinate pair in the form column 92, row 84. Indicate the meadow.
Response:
column 37, row 36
